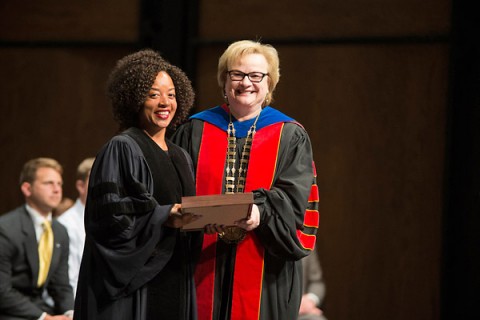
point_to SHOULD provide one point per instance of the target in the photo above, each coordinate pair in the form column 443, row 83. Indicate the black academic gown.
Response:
column 133, row 267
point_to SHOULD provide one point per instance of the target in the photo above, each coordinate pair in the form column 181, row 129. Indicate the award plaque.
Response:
column 221, row 209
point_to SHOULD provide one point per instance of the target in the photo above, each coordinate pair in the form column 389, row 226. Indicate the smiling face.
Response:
column 244, row 96
column 160, row 105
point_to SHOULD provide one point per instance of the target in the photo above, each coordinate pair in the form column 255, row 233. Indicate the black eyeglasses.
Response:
column 256, row 77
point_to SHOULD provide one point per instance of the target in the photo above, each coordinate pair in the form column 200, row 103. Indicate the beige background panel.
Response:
column 85, row 20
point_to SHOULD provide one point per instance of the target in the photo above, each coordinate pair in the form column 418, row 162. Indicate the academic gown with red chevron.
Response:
column 260, row 278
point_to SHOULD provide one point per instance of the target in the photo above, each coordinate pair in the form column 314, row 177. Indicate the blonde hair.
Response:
column 29, row 171
column 83, row 169
column 237, row 50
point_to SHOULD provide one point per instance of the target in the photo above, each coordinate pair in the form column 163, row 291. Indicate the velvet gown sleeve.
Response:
column 282, row 207
column 126, row 243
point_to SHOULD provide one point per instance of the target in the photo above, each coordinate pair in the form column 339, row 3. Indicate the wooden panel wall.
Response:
column 376, row 115
column 53, row 104
column 54, row 60
column 373, row 96
column 85, row 20
column 283, row 19
column 367, row 78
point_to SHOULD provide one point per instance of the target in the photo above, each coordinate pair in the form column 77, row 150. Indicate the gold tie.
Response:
column 45, row 248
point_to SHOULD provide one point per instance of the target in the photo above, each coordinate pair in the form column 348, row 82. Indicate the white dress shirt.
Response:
column 38, row 220
column 73, row 220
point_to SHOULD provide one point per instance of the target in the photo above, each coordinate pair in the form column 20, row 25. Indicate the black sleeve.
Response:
column 124, row 223
column 282, row 208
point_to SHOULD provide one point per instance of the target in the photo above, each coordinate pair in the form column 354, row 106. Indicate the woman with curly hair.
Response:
column 137, row 264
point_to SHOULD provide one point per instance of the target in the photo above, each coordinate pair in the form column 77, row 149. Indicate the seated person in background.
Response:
column 313, row 289
column 73, row 220
column 34, row 249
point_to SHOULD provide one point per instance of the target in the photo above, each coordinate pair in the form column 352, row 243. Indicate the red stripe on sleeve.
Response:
column 312, row 218
column 314, row 197
column 307, row 240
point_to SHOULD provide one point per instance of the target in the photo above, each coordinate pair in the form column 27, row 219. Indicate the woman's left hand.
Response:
column 252, row 222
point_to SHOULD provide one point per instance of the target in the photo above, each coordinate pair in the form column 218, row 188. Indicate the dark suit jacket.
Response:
column 19, row 296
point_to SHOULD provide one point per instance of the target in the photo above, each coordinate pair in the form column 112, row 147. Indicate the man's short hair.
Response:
column 83, row 169
column 29, row 171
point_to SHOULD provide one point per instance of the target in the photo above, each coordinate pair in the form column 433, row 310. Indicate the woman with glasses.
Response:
column 252, row 270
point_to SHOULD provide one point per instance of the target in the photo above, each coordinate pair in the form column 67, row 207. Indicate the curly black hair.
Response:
column 132, row 78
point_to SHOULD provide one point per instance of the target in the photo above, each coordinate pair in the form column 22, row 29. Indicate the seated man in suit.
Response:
column 34, row 249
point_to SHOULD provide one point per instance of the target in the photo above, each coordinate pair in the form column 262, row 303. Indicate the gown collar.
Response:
column 219, row 117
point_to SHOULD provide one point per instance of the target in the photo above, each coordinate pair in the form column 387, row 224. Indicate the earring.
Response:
column 225, row 98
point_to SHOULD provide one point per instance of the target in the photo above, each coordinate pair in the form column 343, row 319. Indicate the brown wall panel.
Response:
column 377, row 119
column 53, row 20
column 376, row 116
column 315, row 18
column 208, row 93
column 53, row 104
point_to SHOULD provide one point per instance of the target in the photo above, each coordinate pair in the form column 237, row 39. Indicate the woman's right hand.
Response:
column 177, row 219
column 214, row 228
column 58, row 317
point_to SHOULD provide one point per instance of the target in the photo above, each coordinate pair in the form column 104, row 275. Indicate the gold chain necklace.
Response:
column 235, row 182
column 231, row 175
